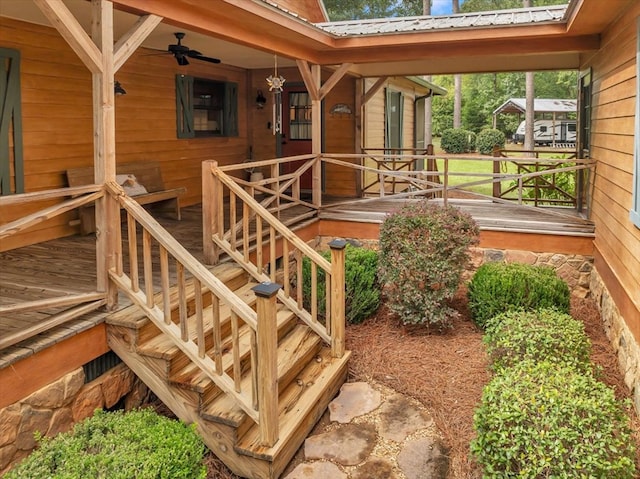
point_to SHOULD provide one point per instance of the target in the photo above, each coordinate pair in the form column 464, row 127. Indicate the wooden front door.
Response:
column 296, row 130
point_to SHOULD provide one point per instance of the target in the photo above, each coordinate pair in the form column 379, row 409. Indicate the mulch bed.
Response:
column 446, row 371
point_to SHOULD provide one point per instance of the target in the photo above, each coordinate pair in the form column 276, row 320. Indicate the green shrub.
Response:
column 117, row 445
column 500, row 287
column 542, row 335
column 423, row 252
column 455, row 140
column 488, row 139
column 362, row 291
column 547, row 420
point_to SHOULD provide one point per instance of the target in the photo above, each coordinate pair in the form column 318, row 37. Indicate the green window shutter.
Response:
column 184, row 106
column 634, row 214
column 393, row 120
column 231, row 109
column 10, row 123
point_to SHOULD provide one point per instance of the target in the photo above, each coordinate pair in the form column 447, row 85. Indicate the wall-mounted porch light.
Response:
column 260, row 100
column 118, row 90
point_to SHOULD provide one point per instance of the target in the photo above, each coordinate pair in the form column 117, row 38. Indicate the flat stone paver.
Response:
column 355, row 399
column 348, row 445
column 374, row 468
column 316, row 470
column 399, row 418
column 424, row 458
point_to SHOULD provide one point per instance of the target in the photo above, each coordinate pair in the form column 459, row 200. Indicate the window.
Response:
column 585, row 113
column 206, row 108
column 571, row 127
column 11, row 161
column 543, row 129
column 299, row 116
column 634, row 214
column 394, row 114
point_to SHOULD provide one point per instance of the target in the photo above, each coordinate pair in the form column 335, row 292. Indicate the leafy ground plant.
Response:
column 362, row 291
column 542, row 335
column 548, row 420
column 500, row 287
column 116, row 445
column 424, row 248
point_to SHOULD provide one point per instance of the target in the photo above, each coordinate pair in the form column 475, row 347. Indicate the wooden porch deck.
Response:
column 53, row 268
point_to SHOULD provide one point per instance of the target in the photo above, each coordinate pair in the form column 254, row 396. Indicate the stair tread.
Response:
column 297, row 348
column 163, row 347
column 294, row 403
column 133, row 317
column 191, row 376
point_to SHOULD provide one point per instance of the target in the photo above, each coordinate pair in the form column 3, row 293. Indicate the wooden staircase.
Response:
column 308, row 377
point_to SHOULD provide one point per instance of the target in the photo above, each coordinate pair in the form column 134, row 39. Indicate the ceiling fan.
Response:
column 182, row 52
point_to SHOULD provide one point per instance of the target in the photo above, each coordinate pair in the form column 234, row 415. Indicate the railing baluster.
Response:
column 327, row 303
column 285, row 265
column 314, row 292
column 164, row 280
column 217, row 334
column 197, row 287
column 245, row 231
column 232, row 218
column 259, row 261
column 299, row 278
column 272, row 253
column 237, row 366
column 254, row 370
column 148, row 266
column 133, row 253
column 182, row 301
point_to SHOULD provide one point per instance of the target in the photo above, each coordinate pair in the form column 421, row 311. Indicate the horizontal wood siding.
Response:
column 57, row 120
column 613, row 128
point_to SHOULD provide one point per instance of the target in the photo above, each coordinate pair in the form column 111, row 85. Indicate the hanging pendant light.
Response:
column 276, row 84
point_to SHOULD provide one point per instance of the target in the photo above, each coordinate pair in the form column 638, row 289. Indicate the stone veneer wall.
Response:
column 620, row 336
column 58, row 406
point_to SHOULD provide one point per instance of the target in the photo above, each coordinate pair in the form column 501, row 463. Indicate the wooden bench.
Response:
column 147, row 174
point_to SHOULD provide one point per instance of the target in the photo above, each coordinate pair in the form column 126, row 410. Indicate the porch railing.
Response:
column 201, row 303
column 74, row 303
column 250, row 234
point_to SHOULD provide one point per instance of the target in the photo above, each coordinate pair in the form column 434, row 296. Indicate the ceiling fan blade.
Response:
column 181, row 59
column 205, row 59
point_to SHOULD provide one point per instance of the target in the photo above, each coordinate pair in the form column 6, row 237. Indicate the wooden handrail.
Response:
column 203, row 282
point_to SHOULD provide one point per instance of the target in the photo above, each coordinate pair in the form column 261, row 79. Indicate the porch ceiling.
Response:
column 247, row 34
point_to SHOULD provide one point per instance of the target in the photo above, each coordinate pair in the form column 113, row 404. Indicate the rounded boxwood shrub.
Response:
column 362, row 291
column 424, row 248
column 548, row 420
column 542, row 335
column 455, row 140
column 488, row 139
column 118, row 445
column 500, row 287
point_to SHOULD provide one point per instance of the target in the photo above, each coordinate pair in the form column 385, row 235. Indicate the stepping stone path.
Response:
column 373, row 433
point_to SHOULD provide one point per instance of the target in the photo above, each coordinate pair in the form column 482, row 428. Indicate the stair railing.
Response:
column 202, row 299
column 269, row 251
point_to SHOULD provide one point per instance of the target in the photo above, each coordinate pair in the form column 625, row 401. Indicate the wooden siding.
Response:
column 613, row 127
column 57, row 119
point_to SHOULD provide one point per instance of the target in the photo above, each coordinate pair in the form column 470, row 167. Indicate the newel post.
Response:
column 210, row 187
column 337, row 297
column 267, row 362
column 497, row 188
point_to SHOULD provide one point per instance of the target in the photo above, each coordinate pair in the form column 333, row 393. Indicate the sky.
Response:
column 442, row 7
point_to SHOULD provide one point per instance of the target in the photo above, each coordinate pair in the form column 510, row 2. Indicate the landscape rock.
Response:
column 424, row 458
column 355, row 399
column 9, row 422
column 399, row 418
column 88, row 400
column 347, row 445
column 374, row 468
column 316, row 470
column 33, row 420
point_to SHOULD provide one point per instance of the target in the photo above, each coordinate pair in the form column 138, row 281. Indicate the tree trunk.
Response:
column 529, row 118
column 428, row 115
column 457, row 95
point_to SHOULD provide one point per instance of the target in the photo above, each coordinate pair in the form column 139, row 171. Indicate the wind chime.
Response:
column 276, row 83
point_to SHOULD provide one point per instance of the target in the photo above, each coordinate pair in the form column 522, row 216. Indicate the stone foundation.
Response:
column 621, row 338
column 57, row 407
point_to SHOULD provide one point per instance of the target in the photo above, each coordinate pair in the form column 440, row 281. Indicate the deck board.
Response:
column 67, row 265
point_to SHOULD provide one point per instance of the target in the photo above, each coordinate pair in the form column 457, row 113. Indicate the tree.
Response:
column 428, row 102
column 529, row 115
column 457, row 80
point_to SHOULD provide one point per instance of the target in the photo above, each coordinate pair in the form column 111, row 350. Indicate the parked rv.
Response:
column 546, row 132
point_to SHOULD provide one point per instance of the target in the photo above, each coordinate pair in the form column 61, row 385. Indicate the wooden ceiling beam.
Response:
column 71, row 30
column 130, row 41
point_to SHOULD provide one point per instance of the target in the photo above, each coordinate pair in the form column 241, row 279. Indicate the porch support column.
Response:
column 312, row 77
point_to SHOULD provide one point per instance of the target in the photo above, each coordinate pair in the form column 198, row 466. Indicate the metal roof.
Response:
column 542, row 105
column 498, row 18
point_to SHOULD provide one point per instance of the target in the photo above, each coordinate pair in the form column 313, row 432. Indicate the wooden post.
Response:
column 267, row 372
column 209, row 212
column 316, row 138
column 337, row 297
column 497, row 187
